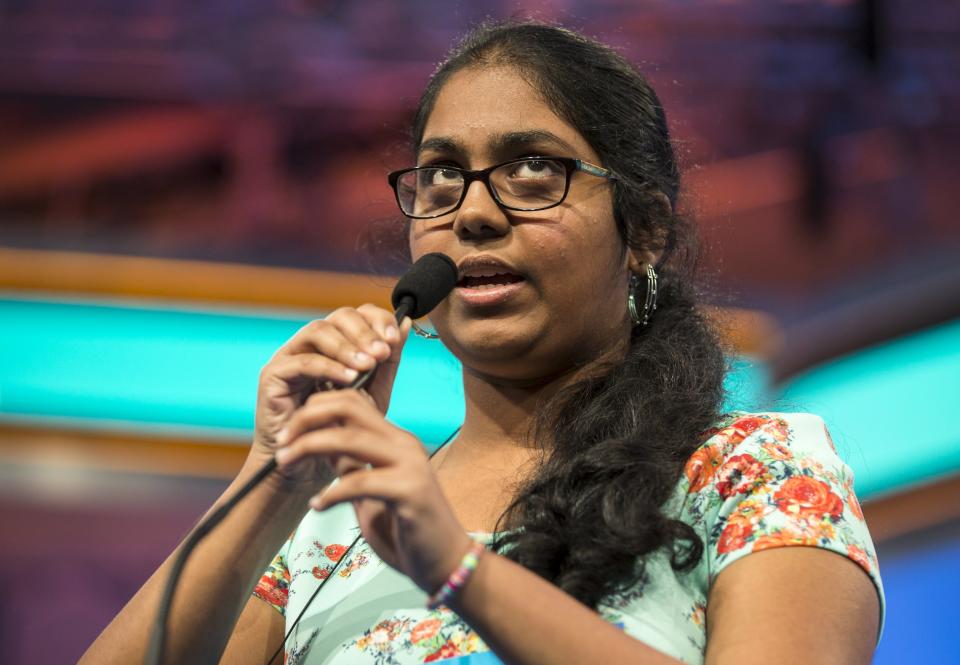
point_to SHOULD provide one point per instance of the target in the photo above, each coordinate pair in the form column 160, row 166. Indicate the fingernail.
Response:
column 351, row 373
column 316, row 503
column 380, row 347
column 391, row 333
column 282, row 436
column 362, row 357
column 283, row 455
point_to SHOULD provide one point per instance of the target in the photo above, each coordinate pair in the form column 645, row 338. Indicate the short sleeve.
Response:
column 776, row 480
column 274, row 584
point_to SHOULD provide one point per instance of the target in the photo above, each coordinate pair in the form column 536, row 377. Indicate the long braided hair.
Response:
column 618, row 439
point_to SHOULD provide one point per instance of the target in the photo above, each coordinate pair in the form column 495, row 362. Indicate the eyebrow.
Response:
column 513, row 140
column 501, row 143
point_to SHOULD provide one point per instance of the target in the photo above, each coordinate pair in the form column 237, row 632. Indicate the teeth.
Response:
column 487, row 281
column 485, row 273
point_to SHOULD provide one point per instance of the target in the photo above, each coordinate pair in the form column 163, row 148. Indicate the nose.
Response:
column 479, row 216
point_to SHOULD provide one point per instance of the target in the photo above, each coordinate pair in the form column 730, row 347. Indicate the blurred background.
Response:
column 183, row 185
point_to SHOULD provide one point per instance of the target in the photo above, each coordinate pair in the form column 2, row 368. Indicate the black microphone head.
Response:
column 427, row 282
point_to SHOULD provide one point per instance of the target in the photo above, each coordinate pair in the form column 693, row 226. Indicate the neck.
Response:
column 500, row 414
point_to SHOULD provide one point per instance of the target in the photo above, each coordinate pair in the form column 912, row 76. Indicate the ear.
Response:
column 653, row 248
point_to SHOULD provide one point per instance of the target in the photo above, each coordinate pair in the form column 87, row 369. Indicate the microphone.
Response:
column 424, row 286
column 418, row 291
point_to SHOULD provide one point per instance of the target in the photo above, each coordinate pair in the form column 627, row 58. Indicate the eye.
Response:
column 536, row 168
column 438, row 177
column 443, row 176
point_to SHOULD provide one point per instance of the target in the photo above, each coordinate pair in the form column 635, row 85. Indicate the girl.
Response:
column 595, row 506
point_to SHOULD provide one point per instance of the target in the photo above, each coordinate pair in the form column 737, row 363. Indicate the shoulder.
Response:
column 758, row 438
column 763, row 462
column 736, row 427
column 760, row 481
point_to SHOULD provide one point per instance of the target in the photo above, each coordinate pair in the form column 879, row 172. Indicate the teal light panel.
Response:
column 194, row 372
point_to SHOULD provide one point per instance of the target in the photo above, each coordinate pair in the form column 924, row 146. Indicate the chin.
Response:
column 489, row 341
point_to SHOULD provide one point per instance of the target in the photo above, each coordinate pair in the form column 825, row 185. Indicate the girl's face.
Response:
column 564, row 300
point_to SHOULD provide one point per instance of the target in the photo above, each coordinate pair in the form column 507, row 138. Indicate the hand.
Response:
column 401, row 509
column 335, row 350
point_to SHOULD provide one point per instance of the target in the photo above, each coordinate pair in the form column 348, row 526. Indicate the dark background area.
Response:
column 818, row 138
column 819, row 143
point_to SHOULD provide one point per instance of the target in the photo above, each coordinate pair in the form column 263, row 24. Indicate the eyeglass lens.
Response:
column 528, row 184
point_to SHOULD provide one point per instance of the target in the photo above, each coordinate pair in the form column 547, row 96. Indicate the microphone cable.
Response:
column 417, row 292
column 336, row 566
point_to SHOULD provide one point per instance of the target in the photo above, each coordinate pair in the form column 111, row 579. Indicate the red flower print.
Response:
column 425, row 630
column 779, row 429
column 355, row 563
column 820, row 530
column 783, row 538
column 269, row 590
column 701, row 466
column 739, row 474
column 860, row 556
column 334, row 552
column 854, row 505
column 749, row 511
column 742, row 428
column 777, row 451
column 698, row 614
column 808, row 498
column 816, row 468
column 733, row 537
column 320, row 573
column 448, row 650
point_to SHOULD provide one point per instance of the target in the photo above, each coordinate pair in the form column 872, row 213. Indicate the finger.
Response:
column 330, row 409
column 325, row 337
column 361, row 332
column 382, row 386
column 362, row 446
column 344, row 464
column 405, row 327
column 311, row 367
column 388, row 367
column 367, row 396
column 390, row 484
column 384, row 322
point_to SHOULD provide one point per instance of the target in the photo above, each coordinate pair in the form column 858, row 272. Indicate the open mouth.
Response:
column 488, row 281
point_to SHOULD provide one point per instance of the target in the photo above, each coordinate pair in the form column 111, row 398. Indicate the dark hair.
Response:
column 615, row 443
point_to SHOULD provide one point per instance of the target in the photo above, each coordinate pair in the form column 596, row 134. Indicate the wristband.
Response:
column 458, row 577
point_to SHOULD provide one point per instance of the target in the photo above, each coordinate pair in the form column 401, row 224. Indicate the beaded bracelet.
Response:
column 458, row 577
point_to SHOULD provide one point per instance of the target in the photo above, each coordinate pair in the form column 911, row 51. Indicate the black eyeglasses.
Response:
column 527, row 184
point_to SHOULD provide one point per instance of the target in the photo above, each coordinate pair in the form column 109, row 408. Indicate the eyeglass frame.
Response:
column 570, row 164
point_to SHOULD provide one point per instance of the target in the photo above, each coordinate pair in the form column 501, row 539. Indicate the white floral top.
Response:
column 758, row 481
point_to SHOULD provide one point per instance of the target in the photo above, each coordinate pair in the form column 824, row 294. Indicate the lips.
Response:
column 486, row 270
column 487, row 280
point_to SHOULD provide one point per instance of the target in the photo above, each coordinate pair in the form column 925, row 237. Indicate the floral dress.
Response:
column 757, row 481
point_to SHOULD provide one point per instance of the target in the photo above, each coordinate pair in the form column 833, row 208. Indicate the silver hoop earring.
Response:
column 650, row 301
column 420, row 332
